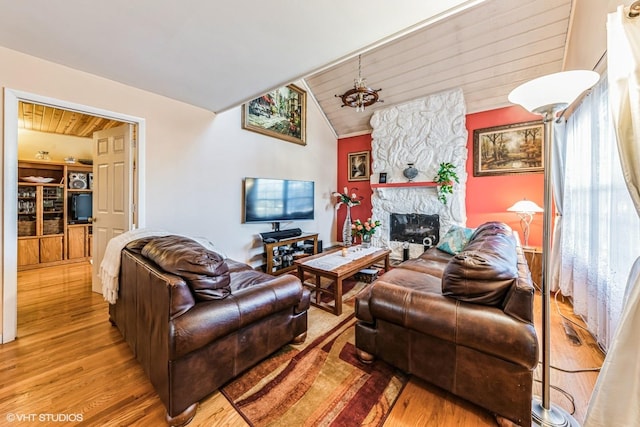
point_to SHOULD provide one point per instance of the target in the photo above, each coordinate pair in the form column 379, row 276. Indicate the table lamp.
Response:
column 525, row 209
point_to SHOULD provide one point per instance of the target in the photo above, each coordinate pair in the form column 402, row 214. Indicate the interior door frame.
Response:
column 10, row 177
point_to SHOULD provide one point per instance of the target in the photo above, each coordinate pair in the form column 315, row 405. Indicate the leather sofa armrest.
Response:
column 305, row 302
column 362, row 310
column 491, row 331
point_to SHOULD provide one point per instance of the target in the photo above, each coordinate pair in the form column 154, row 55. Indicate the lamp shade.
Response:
column 525, row 206
column 559, row 90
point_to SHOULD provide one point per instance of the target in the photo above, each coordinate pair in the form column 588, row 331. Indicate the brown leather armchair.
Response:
column 463, row 322
column 195, row 320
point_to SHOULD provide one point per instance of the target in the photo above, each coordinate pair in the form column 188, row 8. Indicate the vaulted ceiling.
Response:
column 217, row 55
column 486, row 50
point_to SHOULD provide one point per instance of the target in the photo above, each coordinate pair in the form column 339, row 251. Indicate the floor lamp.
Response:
column 546, row 96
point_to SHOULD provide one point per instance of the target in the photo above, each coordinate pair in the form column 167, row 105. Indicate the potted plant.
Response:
column 445, row 178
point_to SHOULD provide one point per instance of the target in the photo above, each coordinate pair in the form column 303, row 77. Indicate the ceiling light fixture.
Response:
column 360, row 96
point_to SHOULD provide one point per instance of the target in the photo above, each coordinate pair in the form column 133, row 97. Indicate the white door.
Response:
column 112, row 195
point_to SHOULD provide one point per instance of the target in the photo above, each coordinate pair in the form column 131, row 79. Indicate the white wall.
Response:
column 195, row 160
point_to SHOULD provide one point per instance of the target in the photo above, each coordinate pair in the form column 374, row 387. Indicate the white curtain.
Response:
column 601, row 231
column 557, row 178
column 615, row 400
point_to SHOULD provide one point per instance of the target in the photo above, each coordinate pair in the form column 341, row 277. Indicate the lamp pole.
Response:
column 545, row 96
column 542, row 411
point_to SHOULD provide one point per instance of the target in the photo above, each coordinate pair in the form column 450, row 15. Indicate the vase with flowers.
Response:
column 348, row 200
column 365, row 229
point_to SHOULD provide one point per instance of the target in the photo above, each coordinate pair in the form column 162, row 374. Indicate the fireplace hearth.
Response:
column 415, row 228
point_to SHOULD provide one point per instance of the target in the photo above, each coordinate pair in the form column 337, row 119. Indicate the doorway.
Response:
column 9, row 225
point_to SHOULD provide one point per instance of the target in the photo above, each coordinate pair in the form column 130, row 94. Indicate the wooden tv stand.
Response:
column 281, row 254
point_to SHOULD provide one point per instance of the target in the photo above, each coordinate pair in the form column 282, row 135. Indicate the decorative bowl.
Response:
column 37, row 179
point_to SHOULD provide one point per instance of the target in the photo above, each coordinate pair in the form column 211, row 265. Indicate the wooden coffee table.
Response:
column 326, row 265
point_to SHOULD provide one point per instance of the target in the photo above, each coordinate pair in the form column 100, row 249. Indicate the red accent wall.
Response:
column 487, row 197
column 361, row 188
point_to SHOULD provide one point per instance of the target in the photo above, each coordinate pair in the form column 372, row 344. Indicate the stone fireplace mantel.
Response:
column 405, row 184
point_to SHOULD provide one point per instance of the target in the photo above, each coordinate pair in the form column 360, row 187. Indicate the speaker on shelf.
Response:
column 282, row 234
column 90, row 180
column 319, row 246
column 77, row 180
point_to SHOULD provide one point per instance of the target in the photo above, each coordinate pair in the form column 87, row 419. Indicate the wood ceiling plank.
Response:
column 67, row 122
column 47, row 118
column 56, row 120
column 79, row 123
column 38, row 113
column 27, row 115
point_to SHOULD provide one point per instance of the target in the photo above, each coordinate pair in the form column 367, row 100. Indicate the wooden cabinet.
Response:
column 51, row 249
column 78, row 241
column 28, row 251
column 44, row 234
column 280, row 254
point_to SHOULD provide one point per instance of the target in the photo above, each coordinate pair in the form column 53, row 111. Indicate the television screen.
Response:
column 273, row 200
column 81, row 207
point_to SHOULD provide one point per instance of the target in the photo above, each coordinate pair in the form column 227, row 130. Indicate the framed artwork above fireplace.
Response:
column 509, row 149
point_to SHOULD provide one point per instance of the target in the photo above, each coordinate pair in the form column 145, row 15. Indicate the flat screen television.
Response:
column 81, row 207
column 276, row 200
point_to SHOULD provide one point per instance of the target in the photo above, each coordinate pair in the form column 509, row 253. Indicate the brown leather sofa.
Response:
column 195, row 320
column 463, row 322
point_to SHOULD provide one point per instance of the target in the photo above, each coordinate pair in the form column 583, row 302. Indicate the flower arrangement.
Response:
column 344, row 197
column 365, row 228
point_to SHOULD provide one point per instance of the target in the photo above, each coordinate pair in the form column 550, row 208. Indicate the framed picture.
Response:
column 510, row 149
column 382, row 179
column 281, row 113
column 359, row 166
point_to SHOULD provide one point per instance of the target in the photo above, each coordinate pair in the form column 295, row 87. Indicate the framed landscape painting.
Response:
column 509, row 149
column 280, row 113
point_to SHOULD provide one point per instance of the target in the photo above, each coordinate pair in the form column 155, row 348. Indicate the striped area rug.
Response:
column 318, row 383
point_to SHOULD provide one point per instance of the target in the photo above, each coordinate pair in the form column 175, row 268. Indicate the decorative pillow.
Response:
column 205, row 271
column 455, row 239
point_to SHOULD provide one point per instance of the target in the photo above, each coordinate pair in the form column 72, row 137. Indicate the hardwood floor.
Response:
column 70, row 363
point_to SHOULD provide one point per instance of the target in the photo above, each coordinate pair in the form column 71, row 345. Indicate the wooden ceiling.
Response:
column 44, row 118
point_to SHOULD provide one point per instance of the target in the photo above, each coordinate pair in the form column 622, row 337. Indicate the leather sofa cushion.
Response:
column 484, row 271
column 412, row 300
column 205, row 271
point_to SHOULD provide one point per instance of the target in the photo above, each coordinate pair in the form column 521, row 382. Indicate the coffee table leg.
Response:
column 386, row 263
column 318, row 289
column 338, row 297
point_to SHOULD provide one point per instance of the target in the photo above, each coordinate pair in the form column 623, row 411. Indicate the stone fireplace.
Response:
column 415, row 228
column 425, row 132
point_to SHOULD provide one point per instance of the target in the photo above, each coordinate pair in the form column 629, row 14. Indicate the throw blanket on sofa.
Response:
column 110, row 265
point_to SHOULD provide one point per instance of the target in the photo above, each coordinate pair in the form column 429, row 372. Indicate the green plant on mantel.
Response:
column 445, row 178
